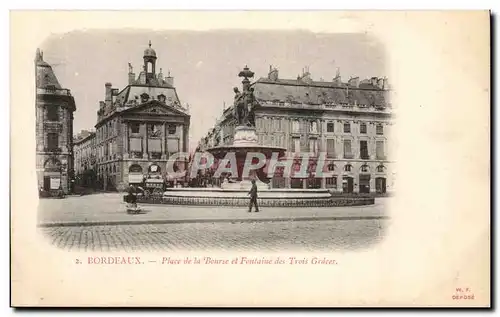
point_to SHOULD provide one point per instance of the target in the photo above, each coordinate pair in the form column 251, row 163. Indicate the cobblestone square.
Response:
column 76, row 223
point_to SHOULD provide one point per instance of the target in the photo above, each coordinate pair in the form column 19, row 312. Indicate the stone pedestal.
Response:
column 245, row 136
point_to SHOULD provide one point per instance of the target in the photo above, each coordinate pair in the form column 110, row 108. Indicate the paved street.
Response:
column 258, row 236
column 100, row 223
column 109, row 209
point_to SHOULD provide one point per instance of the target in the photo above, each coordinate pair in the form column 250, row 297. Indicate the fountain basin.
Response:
column 266, row 198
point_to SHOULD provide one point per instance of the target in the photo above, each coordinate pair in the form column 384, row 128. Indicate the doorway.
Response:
column 380, row 185
column 347, row 185
column 364, row 184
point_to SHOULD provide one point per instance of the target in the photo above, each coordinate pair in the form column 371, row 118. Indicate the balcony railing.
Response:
column 348, row 156
column 54, row 91
column 365, row 157
column 381, row 157
column 56, row 150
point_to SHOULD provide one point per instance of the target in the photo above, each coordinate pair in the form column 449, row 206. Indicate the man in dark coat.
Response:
column 253, row 197
column 131, row 198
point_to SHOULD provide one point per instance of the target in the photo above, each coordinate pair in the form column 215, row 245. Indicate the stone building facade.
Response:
column 54, row 108
column 139, row 127
column 85, row 159
column 350, row 122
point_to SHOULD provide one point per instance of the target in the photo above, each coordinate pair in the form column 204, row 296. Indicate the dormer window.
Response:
column 162, row 98
column 172, row 129
column 144, row 97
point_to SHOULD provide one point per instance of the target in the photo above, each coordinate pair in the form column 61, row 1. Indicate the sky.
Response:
column 205, row 65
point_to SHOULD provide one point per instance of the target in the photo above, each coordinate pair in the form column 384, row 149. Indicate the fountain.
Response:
column 245, row 141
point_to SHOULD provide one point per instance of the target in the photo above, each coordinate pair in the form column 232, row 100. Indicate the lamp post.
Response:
column 64, row 165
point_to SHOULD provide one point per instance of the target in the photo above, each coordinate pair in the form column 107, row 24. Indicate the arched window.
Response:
column 135, row 168
column 348, row 168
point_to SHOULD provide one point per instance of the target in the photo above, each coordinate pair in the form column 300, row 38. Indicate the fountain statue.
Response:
column 245, row 137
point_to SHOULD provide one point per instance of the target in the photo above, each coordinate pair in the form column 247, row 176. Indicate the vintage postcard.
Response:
column 250, row 159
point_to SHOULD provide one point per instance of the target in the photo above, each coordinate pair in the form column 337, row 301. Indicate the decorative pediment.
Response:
column 155, row 107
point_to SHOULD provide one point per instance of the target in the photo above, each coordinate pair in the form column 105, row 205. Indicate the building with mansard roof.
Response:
column 139, row 127
column 54, row 107
column 349, row 121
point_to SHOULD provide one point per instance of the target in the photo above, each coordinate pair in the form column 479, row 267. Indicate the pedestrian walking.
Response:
column 253, row 197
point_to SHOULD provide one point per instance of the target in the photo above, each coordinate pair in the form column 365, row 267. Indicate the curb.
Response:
column 181, row 221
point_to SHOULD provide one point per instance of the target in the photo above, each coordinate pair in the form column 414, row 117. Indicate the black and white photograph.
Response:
column 213, row 140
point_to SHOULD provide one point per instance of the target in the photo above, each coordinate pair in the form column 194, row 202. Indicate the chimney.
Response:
column 131, row 74
column 354, row 82
column 169, row 79
column 39, row 56
column 273, row 73
column 381, row 83
column 337, row 80
column 306, row 75
column 108, row 97
column 374, row 81
column 114, row 93
column 160, row 77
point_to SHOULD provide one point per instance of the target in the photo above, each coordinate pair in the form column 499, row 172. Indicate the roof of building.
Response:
column 149, row 52
column 84, row 135
column 45, row 76
column 317, row 92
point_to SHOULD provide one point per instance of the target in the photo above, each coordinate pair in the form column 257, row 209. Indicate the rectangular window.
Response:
column 173, row 145
column 363, row 150
column 296, row 145
column 330, row 127
column 154, row 145
column 52, row 141
column 314, row 127
column 135, row 127
column 362, row 128
column 347, row 149
column 295, row 126
column 135, row 145
column 380, row 129
column 313, row 145
column 52, row 113
column 330, row 147
column 331, row 182
column 347, row 127
column 380, row 150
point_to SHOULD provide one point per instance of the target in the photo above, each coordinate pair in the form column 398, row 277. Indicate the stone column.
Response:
column 323, row 182
column 163, row 141
column 304, row 183
column 372, row 184
column 126, row 142
column 181, row 136
column 145, row 154
column 288, row 182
